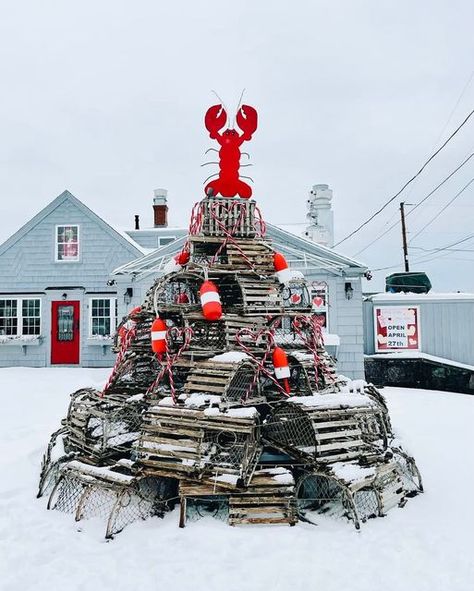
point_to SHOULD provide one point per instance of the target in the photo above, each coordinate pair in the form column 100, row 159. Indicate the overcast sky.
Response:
column 107, row 98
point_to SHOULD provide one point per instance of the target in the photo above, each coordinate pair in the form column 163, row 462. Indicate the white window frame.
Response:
column 19, row 317
column 113, row 315
column 56, row 243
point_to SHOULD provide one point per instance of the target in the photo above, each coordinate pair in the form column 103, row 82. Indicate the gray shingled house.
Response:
column 56, row 307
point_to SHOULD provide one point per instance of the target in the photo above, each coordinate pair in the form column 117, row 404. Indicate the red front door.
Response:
column 65, row 332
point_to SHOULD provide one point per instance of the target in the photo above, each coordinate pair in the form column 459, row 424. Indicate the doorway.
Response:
column 65, row 323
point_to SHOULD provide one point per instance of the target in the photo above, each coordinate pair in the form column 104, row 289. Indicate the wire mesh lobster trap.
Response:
column 101, row 428
column 112, row 494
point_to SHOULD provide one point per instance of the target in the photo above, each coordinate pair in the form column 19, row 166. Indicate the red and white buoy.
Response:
column 158, row 336
column 282, row 271
column 210, row 301
column 282, row 369
column 177, row 262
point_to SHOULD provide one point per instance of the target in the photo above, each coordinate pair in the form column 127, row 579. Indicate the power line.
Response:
column 409, row 181
column 445, row 180
column 432, row 251
column 441, row 210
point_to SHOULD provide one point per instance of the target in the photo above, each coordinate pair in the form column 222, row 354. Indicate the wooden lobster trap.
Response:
column 100, row 428
column 217, row 216
column 260, row 296
column 267, row 499
column 184, row 443
column 238, row 254
column 231, row 383
column 327, row 428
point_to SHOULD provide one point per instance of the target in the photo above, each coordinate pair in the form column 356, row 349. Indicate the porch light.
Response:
column 349, row 290
column 127, row 296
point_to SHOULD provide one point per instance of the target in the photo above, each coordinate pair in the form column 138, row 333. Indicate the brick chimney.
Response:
column 160, row 208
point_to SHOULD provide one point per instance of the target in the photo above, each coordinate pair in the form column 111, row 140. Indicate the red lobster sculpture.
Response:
column 228, row 183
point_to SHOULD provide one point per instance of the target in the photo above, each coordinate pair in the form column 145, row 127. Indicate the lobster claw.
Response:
column 214, row 120
column 247, row 121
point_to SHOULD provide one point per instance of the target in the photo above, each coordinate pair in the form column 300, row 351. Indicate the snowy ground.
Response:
column 428, row 545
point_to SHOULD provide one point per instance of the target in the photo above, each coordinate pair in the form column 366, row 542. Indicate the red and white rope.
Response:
column 172, row 334
column 125, row 342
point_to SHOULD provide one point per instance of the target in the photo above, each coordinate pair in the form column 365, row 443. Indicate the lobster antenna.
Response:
column 240, row 99
column 220, row 100
column 238, row 107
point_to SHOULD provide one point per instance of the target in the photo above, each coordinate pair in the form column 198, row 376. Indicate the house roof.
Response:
column 131, row 245
column 300, row 253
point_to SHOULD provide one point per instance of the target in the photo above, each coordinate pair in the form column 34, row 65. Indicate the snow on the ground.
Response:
column 425, row 546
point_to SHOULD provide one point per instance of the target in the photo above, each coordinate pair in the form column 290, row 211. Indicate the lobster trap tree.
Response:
column 223, row 362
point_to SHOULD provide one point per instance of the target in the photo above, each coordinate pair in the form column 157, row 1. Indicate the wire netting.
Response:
column 408, row 472
column 243, row 386
column 67, row 494
column 211, row 506
column 289, row 426
column 318, row 495
column 366, row 503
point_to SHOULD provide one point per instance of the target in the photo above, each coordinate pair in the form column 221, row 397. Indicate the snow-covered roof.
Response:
column 420, row 297
column 420, row 355
column 300, row 253
column 59, row 200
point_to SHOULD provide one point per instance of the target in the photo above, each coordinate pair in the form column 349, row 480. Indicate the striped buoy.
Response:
column 282, row 369
column 210, row 301
column 282, row 271
column 158, row 336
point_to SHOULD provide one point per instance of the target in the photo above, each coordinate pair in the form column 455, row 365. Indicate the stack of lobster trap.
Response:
column 223, row 400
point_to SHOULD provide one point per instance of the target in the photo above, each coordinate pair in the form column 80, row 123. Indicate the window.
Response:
column 20, row 317
column 8, row 317
column 67, row 243
column 166, row 240
column 103, row 317
column 319, row 299
column 31, row 317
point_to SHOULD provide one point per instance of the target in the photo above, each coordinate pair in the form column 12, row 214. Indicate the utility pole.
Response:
column 404, row 237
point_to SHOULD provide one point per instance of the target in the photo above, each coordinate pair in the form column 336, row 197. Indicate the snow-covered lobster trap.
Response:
column 102, row 427
column 357, row 491
column 222, row 448
column 111, row 493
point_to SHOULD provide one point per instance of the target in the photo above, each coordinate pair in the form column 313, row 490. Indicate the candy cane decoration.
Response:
column 167, row 367
column 256, row 336
column 314, row 341
column 229, row 233
column 125, row 343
